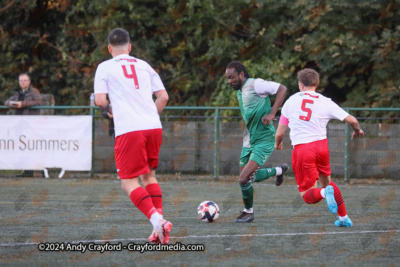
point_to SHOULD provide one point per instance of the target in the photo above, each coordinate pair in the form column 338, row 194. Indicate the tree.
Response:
column 354, row 45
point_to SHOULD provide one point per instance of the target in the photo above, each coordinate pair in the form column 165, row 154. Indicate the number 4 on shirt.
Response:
column 131, row 76
column 303, row 108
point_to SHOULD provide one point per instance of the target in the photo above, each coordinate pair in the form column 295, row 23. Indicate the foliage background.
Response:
column 353, row 44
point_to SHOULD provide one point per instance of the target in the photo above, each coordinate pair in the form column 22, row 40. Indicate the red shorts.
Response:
column 309, row 161
column 136, row 152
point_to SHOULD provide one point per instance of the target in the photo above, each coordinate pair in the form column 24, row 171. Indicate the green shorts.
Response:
column 258, row 153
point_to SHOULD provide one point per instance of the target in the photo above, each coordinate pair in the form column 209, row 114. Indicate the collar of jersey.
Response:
column 244, row 83
column 123, row 55
column 308, row 92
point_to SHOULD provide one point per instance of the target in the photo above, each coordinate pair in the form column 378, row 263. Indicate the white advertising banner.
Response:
column 39, row 142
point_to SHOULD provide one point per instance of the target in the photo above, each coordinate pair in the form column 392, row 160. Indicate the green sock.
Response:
column 264, row 174
column 247, row 195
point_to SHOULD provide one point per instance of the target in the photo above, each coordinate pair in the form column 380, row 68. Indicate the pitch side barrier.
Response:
column 208, row 140
column 42, row 142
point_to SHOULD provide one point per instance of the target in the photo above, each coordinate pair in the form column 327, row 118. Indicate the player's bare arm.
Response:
column 161, row 100
column 102, row 102
column 280, row 134
column 280, row 96
column 357, row 132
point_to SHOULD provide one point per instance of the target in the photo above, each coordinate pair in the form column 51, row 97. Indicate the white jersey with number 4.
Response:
column 130, row 83
column 308, row 113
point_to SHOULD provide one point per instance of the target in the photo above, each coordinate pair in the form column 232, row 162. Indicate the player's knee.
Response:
column 148, row 179
column 124, row 187
column 303, row 196
column 242, row 181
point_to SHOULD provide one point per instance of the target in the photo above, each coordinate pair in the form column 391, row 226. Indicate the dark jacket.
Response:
column 32, row 98
column 111, row 130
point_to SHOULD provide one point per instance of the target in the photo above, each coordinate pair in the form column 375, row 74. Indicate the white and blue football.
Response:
column 208, row 211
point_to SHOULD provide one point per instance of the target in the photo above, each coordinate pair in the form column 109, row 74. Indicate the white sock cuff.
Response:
column 155, row 220
column 323, row 194
column 278, row 170
column 343, row 218
column 248, row 210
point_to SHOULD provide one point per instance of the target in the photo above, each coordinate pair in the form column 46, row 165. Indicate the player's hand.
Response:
column 358, row 134
column 110, row 115
column 267, row 119
column 19, row 104
column 279, row 146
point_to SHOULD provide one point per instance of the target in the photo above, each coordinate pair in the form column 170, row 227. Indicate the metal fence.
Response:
column 208, row 141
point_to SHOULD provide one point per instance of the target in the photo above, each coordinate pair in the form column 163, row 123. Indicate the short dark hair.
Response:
column 118, row 37
column 308, row 77
column 238, row 67
column 25, row 73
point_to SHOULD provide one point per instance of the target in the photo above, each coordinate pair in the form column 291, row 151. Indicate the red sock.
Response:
column 341, row 211
column 143, row 202
column 154, row 191
column 313, row 196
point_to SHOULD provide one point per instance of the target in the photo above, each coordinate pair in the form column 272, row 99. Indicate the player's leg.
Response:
column 154, row 140
column 141, row 199
column 247, row 174
column 247, row 215
column 278, row 172
column 153, row 188
column 310, row 198
column 139, row 196
column 131, row 162
column 264, row 174
column 314, row 195
column 344, row 219
column 306, row 173
column 260, row 154
column 332, row 193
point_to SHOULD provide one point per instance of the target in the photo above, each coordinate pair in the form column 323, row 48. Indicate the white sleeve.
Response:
column 156, row 83
column 336, row 112
column 264, row 88
column 284, row 109
column 100, row 81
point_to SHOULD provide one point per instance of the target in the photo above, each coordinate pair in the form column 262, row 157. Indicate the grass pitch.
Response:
column 285, row 232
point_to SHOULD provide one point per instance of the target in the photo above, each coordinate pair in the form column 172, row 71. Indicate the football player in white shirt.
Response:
column 307, row 113
column 130, row 84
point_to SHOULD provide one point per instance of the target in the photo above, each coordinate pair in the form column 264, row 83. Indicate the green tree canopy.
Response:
column 353, row 44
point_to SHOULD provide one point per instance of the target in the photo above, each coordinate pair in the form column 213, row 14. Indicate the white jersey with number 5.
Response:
column 130, row 83
column 308, row 114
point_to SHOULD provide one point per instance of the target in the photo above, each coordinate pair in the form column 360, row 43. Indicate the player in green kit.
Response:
column 259, row 134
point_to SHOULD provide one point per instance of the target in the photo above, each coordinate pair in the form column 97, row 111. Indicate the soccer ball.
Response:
column 208, row 211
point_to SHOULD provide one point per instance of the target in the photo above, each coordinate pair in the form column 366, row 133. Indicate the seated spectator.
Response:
column 26, row 97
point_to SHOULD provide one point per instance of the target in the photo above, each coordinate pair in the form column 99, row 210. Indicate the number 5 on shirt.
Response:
column 303, row 108
column 131, row 76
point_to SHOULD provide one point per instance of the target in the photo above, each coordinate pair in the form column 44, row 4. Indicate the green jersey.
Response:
column 253, row 107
